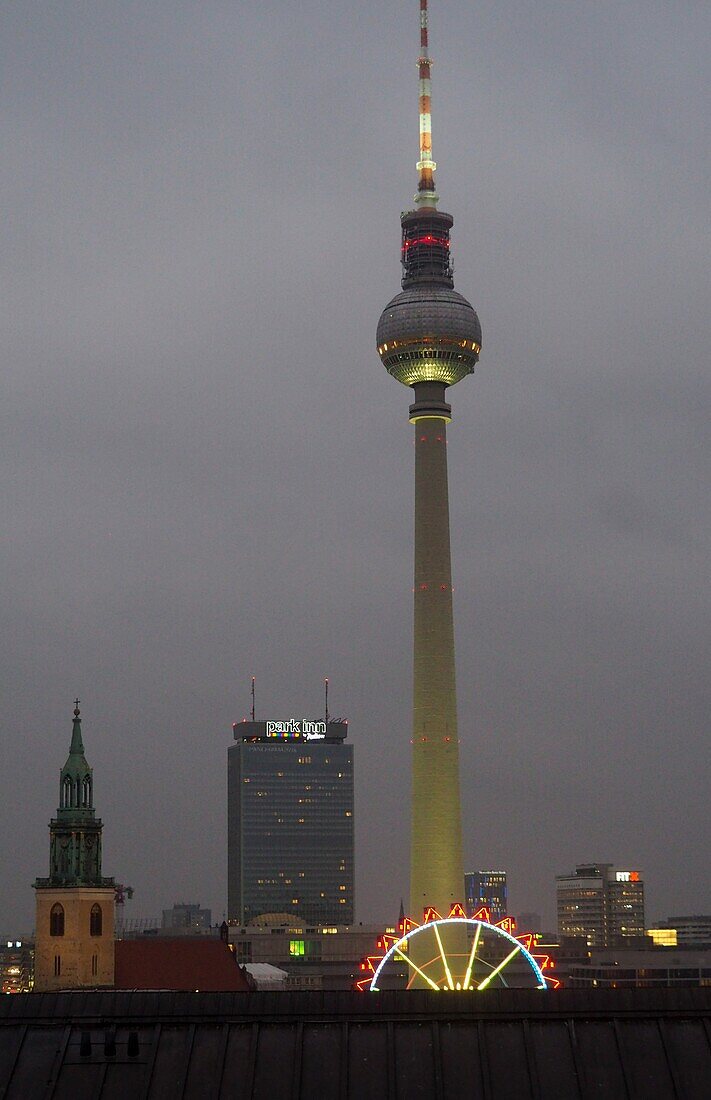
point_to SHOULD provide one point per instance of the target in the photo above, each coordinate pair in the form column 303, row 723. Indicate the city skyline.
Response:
column 182, row 517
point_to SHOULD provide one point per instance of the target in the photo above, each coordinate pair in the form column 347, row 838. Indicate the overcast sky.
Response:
column 207, row 474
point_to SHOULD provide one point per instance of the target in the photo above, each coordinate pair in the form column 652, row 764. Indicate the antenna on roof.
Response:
column 325, row 685
column 254, row 679
column 426, row 194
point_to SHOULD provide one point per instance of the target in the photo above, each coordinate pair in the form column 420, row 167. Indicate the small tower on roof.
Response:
column 74, row 944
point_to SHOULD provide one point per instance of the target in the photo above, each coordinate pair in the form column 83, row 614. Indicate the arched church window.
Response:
column 77, row 796
column 67, row 792
column 95, row 920
column 86, row 792
column 56, row 920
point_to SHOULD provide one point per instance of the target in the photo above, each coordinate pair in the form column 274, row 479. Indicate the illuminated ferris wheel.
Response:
column 456, row 953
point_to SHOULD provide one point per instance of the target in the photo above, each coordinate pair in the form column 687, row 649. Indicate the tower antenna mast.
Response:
column 426, row 194
column 254, row 679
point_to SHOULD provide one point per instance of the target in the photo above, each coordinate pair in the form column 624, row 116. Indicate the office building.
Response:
column 290, row 822
column 486, row 888
column 635, row 968
column 689, row 931
column 16, row 965
column 186, row 917
column 601, row 904
column 311, row 956
column 429, row 339
column 74, row 940
column 663, row 937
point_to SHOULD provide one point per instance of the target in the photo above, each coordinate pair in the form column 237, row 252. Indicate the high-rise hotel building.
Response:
column 290, row 822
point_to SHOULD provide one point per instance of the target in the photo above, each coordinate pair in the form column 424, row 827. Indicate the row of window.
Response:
column 56, row 920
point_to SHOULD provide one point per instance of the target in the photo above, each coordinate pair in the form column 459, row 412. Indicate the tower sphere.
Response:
column 429, row 333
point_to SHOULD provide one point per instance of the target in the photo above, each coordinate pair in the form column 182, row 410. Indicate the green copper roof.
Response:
column 77, row 746
column 75, row 833
column 75, row 778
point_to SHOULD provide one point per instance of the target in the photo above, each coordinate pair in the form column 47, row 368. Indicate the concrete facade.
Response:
column 436, row 863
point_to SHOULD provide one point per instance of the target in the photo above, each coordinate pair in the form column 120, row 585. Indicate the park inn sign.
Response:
column 299, row 727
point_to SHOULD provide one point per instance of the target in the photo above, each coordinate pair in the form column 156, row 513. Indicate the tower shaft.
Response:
column 436, row 872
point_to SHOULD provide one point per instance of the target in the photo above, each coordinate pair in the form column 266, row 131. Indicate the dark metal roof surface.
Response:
column 517, row 1044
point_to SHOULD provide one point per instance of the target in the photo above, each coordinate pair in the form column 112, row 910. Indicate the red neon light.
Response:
column 429, row 239
column 528, row 939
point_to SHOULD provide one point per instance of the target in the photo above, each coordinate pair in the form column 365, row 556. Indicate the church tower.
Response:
column 74, row 940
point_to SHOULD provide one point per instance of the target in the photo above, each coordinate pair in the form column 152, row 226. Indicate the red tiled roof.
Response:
column 181, row 963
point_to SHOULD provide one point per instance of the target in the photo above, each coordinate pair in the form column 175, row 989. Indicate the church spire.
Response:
column 76, row 794
column 77, row 746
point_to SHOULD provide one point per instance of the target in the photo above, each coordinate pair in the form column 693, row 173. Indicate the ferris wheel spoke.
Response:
column 499, row 968
column 472, row 956
column 447, row 971
column 420, row 972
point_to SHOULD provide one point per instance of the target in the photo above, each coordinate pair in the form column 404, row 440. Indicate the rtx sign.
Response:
column 627, row 876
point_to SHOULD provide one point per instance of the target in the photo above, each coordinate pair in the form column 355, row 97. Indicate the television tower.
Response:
column 429, row 337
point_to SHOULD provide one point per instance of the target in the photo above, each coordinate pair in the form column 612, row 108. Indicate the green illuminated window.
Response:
column 296, row 947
